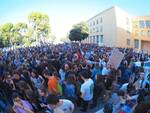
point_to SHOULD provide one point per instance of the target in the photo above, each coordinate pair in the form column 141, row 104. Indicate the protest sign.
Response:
column 115, row 58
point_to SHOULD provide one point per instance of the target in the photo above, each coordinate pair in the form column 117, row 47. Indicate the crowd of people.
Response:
column 61, row 78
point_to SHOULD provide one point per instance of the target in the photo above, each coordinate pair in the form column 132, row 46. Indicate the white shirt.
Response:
column 138, row 64
column 104, row 64
column 105, row 71
column 62, row 74
column 67, row 106
column 87, row 89
column 124, row 87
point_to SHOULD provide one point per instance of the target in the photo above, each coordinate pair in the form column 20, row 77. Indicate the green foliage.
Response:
column 40, row 24
column 20, row 31
column 20, row 26
column 26, row 42
column 23, row 34
column 6, row 33
column 79, row 32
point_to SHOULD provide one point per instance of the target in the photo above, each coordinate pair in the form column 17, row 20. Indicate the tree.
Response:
column 79, row 32
column 14, row 34
column 6, row 34
column 1, row 41
column 40, row 25
column 29, row 35
column 20, row 32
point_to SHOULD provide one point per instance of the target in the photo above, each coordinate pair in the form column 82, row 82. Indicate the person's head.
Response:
column 23, row 85
column 142, row 76
column 34, row 73
column 71, row 79
column 84, row 74
column 25, row 73
column 88, row 67
column 8, row 76
column 75, row 66
column 55, row 74
column 108, row 108
column 16, row 98
column 52, row 101
column 16, row 75
column 42, row 92
column 83, row 65
column 121, row 93
column 66, row 67
column 46, row 73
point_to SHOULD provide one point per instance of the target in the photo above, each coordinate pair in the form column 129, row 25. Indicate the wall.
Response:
column 109, row 26
column 145, row 45
column 123, row 27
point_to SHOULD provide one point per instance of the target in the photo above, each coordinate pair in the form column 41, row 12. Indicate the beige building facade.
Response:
column 114, row 27
column 141, row 33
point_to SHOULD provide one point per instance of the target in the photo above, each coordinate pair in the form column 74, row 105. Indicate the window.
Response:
column 128, row 42
column 96, row 21
column 93, row 23
column 93, row 39
column 101, row 28
column 142, row 33
column 101, row 20
column 93, row 30
column 148, row 33
column 90, row 39
column 141, row 24
column 147, row 23
column 87, row 39
column 97, row 30
column 101, row 39
column 90, row 30
column 136, row 44
column 90, row 23
column 97, row 39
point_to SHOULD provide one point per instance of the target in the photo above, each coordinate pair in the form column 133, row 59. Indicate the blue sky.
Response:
column 64, row 13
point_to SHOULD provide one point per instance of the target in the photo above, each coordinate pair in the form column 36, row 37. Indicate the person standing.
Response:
column 86, row 89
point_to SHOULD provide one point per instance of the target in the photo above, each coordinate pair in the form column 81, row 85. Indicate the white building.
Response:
column 112, row 27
